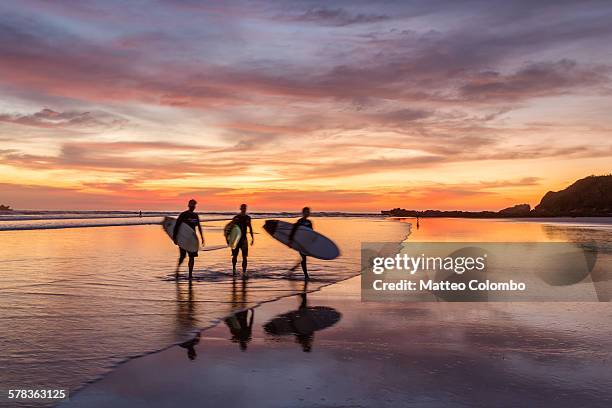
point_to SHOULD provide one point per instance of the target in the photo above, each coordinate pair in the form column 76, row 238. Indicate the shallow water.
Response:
column 394, row 354
column 81, row 300
column 74, row 302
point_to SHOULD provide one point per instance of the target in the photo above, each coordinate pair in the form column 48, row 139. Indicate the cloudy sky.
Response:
column 342, row 105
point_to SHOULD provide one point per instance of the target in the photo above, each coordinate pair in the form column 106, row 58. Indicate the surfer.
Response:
column 305, row 222
column 190, row 218
column 242, row 220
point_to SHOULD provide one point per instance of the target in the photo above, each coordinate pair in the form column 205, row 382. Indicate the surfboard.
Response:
column 303, row 321
column 186, row 237
column 232, row 235
column 306, row 240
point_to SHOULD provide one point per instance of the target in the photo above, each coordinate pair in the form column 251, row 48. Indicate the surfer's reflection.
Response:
column 190, row 346
column 303, row 322
column 240, row 324
column 186, row 320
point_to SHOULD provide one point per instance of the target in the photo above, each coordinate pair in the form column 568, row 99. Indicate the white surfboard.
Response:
column 305, row 240
column 186, row 237
column 232, row 235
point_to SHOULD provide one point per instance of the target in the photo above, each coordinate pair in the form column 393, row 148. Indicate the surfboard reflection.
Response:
column 303, row 322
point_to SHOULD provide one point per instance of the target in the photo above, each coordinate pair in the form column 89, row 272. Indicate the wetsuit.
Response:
column 191, row 219
column 242, row 221
column 304, row 222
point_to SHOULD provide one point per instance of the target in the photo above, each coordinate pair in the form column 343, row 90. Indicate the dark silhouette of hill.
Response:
column 587, row 197
column 590, row 196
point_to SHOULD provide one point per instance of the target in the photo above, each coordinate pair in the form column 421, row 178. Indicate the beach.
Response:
column 81, row 300
column 380, row 355
column 97, row 311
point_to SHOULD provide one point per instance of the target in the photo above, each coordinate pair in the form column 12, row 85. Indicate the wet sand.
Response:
column 377, row 355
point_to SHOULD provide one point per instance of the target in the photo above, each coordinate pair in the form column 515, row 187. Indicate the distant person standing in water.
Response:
column 304, row 222
column 243, row 221
column 191, row 218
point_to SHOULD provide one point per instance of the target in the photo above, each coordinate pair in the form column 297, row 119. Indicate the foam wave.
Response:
column 41, row 220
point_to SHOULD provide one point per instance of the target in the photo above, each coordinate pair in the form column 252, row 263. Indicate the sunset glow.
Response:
column 340, row 105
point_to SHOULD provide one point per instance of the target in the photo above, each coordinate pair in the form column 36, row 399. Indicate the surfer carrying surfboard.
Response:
column 243, row 221
column 192, row 220
column 305, row 222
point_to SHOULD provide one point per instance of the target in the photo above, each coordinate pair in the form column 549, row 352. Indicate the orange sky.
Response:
column 340, row 106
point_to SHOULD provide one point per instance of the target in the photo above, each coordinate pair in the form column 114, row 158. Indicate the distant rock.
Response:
column 590, row 196
column 519, row 210
column 5, row 208
column 400, row 212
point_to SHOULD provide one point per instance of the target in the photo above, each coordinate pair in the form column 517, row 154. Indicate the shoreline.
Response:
column 603, row 222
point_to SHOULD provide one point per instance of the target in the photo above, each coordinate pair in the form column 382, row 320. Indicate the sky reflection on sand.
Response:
column 385, row 355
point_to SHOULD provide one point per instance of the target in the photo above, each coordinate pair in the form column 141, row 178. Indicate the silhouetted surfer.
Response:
column 305, row 222
column 191, row 218
column 243, row 221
